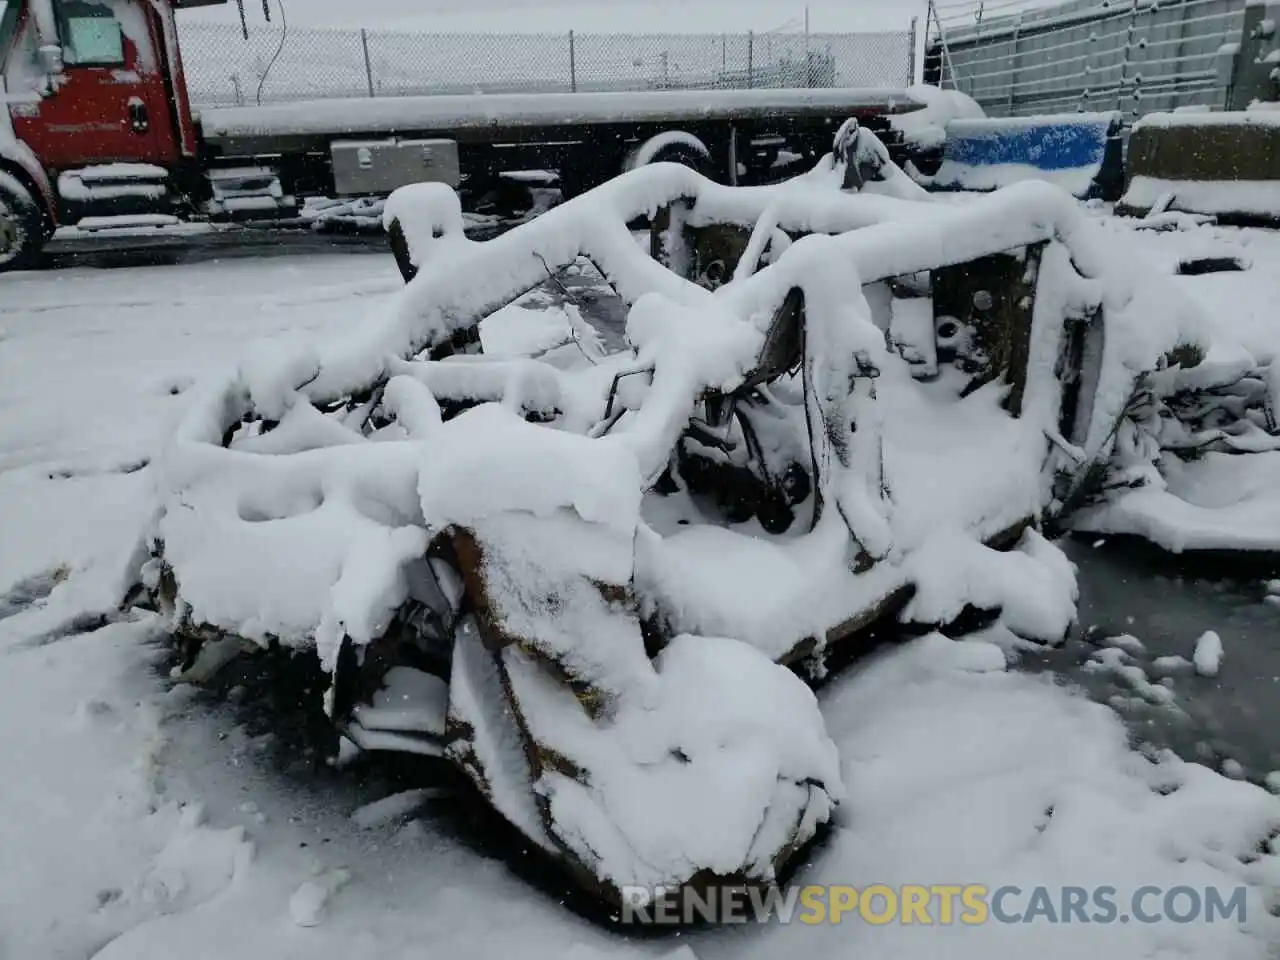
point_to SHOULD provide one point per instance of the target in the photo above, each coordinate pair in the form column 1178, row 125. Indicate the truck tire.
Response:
column 22, row 232
column 673, row 146
column 686, row 156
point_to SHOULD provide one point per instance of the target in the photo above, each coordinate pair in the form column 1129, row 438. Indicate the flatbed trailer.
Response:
column 736, row 135
column 96, row 122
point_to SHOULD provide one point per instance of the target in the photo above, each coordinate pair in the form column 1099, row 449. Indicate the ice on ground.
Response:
column 1208, row 655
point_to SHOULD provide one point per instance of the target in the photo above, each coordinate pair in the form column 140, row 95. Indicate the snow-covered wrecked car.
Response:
column 592, row 583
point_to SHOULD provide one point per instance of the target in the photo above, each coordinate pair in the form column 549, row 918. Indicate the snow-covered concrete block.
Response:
column 1221, row 164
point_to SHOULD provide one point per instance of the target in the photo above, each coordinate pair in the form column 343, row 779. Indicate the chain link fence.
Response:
column 1021, row 57
column 223, row 68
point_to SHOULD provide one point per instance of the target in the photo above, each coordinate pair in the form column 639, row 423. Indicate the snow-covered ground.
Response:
column 139, row 822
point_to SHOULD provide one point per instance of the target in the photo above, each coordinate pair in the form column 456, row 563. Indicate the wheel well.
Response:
column 669, row 141
column 41, row 201
column 576, row 177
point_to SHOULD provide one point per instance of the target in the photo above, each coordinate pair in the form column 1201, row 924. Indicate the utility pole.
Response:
column 808, row 57
column 368, row 63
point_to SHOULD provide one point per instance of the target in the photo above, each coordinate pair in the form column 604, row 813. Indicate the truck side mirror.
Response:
column 50, row 60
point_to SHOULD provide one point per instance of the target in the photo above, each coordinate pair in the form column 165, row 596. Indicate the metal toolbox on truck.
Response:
column 363, row 167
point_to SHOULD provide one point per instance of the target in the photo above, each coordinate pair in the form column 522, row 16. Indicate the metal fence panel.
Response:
column 1137, row 56
column 223, row 68
column 410, row 64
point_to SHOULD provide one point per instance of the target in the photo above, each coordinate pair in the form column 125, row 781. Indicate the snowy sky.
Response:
column 650, row 16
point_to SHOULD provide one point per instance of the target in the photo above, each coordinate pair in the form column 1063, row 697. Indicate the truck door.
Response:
column 111, row 105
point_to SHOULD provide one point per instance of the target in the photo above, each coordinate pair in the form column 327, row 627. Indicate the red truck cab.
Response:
column 95, row 119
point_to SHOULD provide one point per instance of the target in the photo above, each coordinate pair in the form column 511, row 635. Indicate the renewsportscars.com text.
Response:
column 935, row 905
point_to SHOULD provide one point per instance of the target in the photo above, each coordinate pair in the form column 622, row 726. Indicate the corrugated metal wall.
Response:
column 1138, row 56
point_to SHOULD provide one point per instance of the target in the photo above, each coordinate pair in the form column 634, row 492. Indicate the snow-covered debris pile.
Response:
column 1196, row 459
column 582, row 579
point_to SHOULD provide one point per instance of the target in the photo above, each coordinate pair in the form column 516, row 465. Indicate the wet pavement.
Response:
column 204, row 243
column 1231, row 721
column 162, row 248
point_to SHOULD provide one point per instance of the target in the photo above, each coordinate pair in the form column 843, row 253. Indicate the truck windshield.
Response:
column 91, row 35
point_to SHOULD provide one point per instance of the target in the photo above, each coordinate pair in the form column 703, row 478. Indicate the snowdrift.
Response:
column 583, row 581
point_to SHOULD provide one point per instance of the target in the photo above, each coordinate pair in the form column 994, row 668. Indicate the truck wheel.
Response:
column 674, row 146
column 21, row 226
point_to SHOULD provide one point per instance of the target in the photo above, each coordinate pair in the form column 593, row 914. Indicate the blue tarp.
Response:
column 1080, row 152
column 1057, row 143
